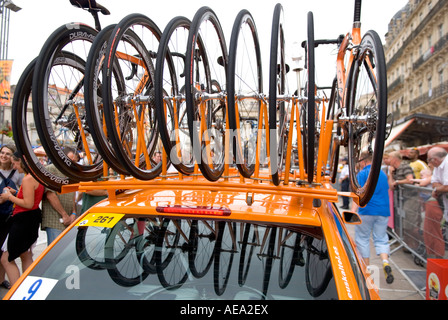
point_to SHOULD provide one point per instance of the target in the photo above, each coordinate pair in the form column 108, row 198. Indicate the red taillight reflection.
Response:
column 196, row 210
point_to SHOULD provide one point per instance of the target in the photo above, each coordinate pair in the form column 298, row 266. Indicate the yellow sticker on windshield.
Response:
column 105, row 220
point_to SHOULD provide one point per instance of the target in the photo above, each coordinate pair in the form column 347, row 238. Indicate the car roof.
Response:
column 308, row 207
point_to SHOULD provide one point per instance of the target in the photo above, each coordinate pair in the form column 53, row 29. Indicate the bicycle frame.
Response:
column 140, row 88
column 138, row 99
column 342, row 69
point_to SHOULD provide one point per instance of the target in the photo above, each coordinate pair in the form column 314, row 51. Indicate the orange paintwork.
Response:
column 290, row 205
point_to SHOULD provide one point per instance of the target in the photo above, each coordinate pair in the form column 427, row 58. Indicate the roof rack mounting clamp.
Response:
column 249, row 198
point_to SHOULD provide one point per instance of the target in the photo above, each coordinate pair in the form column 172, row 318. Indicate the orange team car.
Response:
column 207, row 242
column 219, row 190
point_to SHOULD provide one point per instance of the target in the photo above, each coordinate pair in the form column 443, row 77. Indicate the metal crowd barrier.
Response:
column 418, row 223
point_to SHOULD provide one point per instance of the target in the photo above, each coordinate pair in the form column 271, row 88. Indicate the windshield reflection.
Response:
column 192, row 259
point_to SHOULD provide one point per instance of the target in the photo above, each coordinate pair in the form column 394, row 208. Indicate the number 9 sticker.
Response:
column 105, row 220
column 34, row 288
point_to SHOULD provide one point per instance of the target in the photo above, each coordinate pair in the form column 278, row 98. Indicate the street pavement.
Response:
column 409, row 278
column 404, row 287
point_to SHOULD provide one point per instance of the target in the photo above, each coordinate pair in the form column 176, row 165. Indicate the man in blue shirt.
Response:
column 375, row 217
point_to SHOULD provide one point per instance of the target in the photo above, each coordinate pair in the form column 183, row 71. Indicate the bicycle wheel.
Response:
column 291, row 255
column 249, row 239
column 367, row 110
column 124, row 253
column 244, row 88
column 279, row 108
column 202, row 241
column 317, row 267
column 94, row 99
column 205, row 74
column 26, row 137
column 309, row 125
column 130, row 113
column 171, row 254
column 225, row 249
column 58, row 95
column 170, row 77
column 268, row 256
column 89, row 246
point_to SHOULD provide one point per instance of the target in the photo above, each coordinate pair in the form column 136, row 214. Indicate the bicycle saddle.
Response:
column 90, row 5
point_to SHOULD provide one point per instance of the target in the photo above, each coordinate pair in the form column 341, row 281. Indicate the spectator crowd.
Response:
column 26, row 205
column 420, row 189
column 426, row 209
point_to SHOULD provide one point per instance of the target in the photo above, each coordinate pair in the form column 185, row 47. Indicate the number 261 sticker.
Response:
column 105, row 220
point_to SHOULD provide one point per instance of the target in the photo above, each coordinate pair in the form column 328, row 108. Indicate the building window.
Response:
column 441, row 30
column 429, row 86
column 441, row 76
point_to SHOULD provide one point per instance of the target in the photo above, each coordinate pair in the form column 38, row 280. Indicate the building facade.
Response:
column 416, row 52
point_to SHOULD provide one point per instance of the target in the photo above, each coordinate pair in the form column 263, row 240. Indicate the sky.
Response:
column 31, row 26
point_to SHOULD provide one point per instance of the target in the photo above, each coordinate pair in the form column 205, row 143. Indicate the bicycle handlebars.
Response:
column 337, row 41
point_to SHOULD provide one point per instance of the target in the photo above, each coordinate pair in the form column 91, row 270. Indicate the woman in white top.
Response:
column 7, row 172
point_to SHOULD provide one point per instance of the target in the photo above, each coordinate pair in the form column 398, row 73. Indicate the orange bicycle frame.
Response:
column 353, row 38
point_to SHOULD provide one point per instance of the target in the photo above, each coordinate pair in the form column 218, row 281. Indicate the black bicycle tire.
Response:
column 221, row 288
column 269, row 259
column 243, row 16
column 284, row 276
column 19, row 126
column 243, row 267
column 311, row 84
column 162, row 265
column 371, row 43
column 194, row 251
column 112, row 262
column 57, row 40
column 276, row 166
column 117, row 143
column 201, row 15
column 149, row 263
column 159, row 92
column 102, row 142
column 313, row 289
column 83, row 254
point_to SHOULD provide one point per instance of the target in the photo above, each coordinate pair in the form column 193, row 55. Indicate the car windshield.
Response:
column 161, row 258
